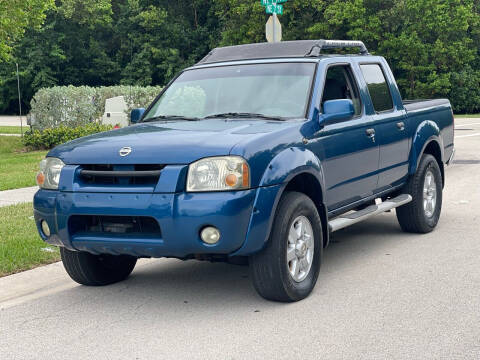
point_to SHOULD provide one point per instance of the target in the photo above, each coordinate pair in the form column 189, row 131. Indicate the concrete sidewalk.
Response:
column 12, row 120
column 17, row 196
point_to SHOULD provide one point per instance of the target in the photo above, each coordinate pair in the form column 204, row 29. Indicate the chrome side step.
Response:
column 351, row 218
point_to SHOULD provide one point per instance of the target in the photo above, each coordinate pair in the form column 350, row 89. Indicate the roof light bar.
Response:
column 316, row 49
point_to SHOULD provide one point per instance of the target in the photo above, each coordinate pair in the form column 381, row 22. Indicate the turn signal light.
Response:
column 246, row 175
column 231, row 180
column 40, row 179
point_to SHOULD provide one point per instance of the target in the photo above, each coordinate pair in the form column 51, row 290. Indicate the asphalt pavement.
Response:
column 381, row 294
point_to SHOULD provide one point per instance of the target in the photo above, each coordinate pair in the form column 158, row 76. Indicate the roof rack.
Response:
column 316, row 49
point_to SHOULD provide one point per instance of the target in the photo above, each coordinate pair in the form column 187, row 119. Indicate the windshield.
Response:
column 272, row 90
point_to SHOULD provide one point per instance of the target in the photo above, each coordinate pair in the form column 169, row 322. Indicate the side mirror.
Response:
column 136, row 115
column 337, row 110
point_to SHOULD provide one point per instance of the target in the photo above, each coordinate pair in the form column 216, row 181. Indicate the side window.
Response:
column 377, row 87
column 341, row 84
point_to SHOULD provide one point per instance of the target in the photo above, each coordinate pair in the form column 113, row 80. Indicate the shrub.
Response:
column 76, row 106
column 49, row 138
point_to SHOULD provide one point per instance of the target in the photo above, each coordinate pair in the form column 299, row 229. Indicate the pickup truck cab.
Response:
column 255, row 154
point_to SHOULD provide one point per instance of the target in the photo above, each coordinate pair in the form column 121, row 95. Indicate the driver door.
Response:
column 348, row 152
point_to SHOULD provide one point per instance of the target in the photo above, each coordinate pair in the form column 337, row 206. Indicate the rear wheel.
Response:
column 421, row 215
column 287, row 268
column 96, row 270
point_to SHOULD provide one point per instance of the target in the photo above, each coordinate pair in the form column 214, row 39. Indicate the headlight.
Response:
column 49, row 175
column 218, row 174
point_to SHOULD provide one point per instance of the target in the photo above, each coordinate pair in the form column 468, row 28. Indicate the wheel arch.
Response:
column 427, row 140
column 293, row 169
column 306, row 183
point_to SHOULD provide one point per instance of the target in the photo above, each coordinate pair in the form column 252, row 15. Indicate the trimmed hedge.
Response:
column 77, row 106
column 49, row 138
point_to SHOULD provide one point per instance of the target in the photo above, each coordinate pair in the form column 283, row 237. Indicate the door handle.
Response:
column 401, row 126
column 371, row 134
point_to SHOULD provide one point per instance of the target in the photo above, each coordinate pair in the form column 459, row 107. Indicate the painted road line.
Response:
column 459, row 125
column 464, row 136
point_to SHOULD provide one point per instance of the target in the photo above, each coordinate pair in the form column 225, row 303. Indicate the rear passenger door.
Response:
column 390, row 125
column 349, row 153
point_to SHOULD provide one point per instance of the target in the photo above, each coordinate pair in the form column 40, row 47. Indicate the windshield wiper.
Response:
column 243, row 115
column 170, row 117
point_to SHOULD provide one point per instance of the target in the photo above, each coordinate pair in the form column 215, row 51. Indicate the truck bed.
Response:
column 437, row 110
column 412, row 105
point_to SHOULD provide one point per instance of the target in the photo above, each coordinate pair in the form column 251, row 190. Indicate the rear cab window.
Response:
column 377, row 87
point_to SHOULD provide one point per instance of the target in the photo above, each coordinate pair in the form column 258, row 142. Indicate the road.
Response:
column 382, row 294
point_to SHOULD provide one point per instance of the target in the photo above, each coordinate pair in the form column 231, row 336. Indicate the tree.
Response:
column 158, row 38
column 433, row 46
column 72, row 47
column 15, row 17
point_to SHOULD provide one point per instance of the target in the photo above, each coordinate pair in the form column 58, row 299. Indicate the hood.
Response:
column 166, row 142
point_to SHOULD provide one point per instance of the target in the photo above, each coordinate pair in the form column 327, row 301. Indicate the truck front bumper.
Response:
column 180, row 216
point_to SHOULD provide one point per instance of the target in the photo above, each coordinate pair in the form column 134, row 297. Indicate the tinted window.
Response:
column 340, row 84
column 377, row 87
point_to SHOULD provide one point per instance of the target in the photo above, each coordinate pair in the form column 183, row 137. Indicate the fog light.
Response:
column 210, row 235
column 45, row 228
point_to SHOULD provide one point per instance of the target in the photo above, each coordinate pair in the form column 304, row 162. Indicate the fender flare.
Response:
column 281, row 169
column 425, row 133
column 290, row 163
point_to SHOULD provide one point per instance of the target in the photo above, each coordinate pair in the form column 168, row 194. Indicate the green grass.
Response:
column 468, row 116
column 17, row 168
column 12, row 129
column 21, row 248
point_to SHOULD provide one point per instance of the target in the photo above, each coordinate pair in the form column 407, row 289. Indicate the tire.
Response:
column 415, row 217
column 96, row 270
column 269, row 269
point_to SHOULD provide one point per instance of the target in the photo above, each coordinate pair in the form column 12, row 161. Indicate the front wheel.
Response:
column 287, row 268
column 421, row 215
column 96, row 270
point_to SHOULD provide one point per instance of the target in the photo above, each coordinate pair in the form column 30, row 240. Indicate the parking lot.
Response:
column 381, row 294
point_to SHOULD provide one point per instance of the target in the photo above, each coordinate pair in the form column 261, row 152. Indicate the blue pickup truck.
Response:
column 254, row 155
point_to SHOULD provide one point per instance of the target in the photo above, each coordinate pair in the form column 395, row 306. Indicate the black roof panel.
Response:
column 284, row 49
